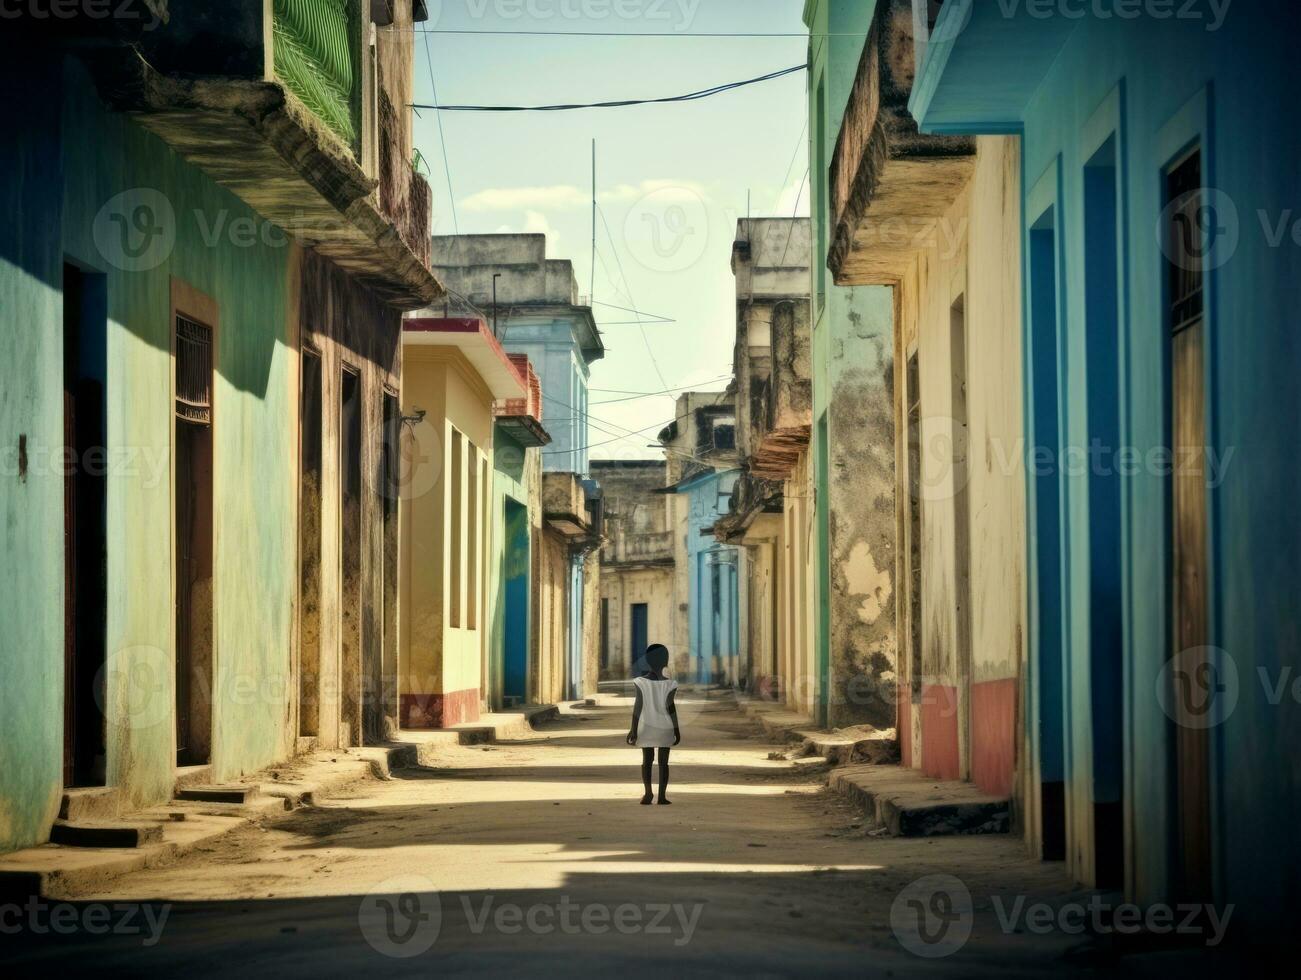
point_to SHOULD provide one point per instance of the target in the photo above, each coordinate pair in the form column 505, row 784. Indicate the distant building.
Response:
column 700, row 446
column 771, row 509
column 637, row 564
column 532, row 306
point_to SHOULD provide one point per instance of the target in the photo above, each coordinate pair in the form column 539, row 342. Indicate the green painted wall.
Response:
column 852, row 329
column 509, row 481
column 98, row 170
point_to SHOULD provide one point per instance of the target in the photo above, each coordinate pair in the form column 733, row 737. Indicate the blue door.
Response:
column 515, row 669
column 638, row 617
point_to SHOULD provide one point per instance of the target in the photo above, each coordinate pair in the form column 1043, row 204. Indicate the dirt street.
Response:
column 534, row 857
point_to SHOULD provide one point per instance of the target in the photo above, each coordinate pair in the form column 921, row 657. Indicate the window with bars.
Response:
column 1187, row 241
column 193, row 371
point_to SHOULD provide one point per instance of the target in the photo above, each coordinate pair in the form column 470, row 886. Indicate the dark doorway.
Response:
column 961, row 526
column 516, row 627
column 1194, row 674
column 388, row 668
column 194, row 606
column 309, row 544
column 85, row 320
column 350, row 503
column 638, row 617
column 1046, row 537
column 1106, row 676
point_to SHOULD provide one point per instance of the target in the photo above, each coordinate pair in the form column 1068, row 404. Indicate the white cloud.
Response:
column 535, row 223
column 524, row 198
column 564, row 196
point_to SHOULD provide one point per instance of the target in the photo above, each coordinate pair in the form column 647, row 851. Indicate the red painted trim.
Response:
column 993, row 735
column 940, row 757
column 418, row 711
column 443, row 324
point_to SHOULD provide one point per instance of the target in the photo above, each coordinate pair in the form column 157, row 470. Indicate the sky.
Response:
column 672, row 180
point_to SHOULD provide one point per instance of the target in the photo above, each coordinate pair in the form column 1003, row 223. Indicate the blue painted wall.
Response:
column 552, row 347
column 713, row 620
column 1156, row 87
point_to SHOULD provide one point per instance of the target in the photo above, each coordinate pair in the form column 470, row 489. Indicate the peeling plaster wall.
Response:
column 349, row 326
column 972, row 261
column 859, row 491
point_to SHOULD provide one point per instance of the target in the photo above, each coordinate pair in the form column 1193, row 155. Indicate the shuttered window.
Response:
column 1188, row 242
column 193, row 371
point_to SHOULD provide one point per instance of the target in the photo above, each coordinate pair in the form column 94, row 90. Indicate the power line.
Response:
column 628, row 287
column 715, row 34
column 625, row 309
column 429, row 60
column 633, row 396
column 617, row 104
column 790, row 230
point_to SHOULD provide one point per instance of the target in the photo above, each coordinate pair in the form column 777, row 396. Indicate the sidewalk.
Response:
column 159, row 835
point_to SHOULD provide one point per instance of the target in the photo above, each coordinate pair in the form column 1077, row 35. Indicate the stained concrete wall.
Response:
column 349, row 329
column 972, row 477
column 66, row 177
column 853, row 419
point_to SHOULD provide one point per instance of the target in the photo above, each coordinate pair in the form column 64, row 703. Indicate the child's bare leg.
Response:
column 647, row 757
column 664, row 776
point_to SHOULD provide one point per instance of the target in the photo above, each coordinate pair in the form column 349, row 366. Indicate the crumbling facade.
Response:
column 637, row 564
column 203, row 271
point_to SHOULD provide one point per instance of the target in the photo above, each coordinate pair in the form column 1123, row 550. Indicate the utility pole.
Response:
column 591, row 288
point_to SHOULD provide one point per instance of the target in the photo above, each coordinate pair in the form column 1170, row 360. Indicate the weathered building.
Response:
column 453, row 374
column 533, row 305
column 515, row 525
column 700, row 447
column 202, row 275
column 1162, row 531
column 637, row 605
column 936, row 219
column 771, row 511
column 853, row 457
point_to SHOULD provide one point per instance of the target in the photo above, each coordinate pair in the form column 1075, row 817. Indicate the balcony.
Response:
column 273, row 100
column 752, row 499
column 890, row 184
column 572, row 508
column 521, row 418
column 781, row 433
column 642, row 548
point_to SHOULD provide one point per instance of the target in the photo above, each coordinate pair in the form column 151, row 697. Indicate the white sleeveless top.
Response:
column 656, row 727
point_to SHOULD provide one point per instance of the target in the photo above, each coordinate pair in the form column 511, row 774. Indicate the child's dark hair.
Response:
column 657, row 656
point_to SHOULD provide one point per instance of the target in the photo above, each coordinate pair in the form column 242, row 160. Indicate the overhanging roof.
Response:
column 472, row 338
column 983, row 62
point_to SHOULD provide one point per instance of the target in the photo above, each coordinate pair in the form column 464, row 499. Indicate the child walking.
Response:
column 655, row 720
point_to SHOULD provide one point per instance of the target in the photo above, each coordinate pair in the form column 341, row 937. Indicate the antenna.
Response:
column 591, row 289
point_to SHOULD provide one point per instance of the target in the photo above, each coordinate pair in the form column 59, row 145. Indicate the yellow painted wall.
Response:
column 443, row 625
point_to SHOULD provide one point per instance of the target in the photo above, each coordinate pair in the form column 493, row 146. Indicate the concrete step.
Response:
column 904, row 803
column 89, row 803
column 239, row 793
column 105, row 833
column 850, row 746
column 305, row 744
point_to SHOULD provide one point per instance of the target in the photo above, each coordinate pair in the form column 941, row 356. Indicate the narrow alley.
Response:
column 502, row 856
column 649, row 487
